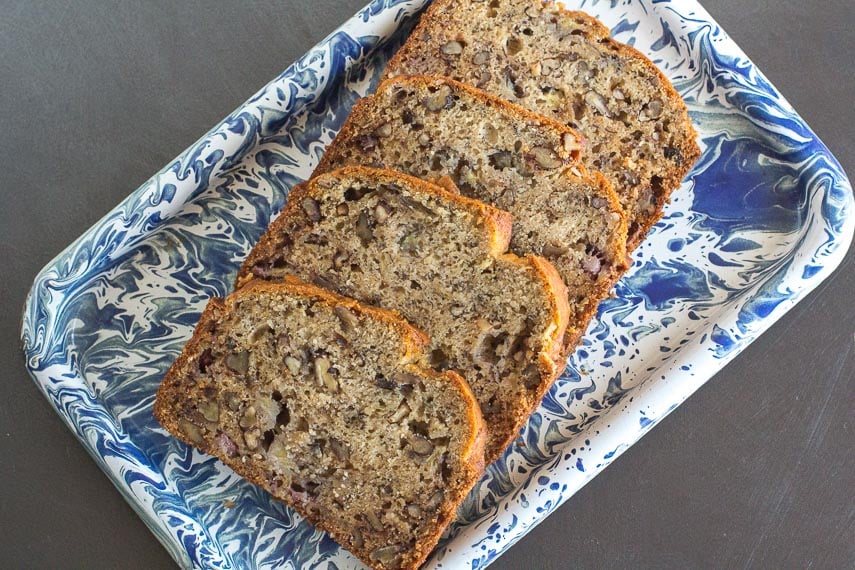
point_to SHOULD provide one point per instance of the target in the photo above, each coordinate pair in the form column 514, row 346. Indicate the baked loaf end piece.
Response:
column 507, row 157
column 438, row 258
column 564, row 65
column 322, row 402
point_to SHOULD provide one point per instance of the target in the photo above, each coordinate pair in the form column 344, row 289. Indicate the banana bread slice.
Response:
column 564, row 65
column 507, row 157
column 323, row 402
column 438, row 258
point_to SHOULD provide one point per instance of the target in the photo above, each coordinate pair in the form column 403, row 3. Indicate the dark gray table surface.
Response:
column 755, row 470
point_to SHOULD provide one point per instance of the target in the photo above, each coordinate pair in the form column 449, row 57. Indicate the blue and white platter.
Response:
column 764, row 217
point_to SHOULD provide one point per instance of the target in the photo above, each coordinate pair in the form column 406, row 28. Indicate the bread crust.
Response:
column 550, row 363
column 413, row 342
column 578, row 325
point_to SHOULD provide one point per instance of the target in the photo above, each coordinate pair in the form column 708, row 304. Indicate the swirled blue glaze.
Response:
column 765, row 216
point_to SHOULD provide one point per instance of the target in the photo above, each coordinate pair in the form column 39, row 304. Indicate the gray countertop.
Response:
column 756, row 470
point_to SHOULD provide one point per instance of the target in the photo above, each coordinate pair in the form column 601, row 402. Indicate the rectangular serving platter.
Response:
column 763, row 218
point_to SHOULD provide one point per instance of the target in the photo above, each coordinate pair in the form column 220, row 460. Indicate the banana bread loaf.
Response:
column 565, row 66
column 324, row 403
column 438, row 258
column 505, row 156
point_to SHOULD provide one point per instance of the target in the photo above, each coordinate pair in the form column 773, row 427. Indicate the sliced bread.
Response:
column 323, row 402
column 439, row 259
column 507, row 157
column 565, row 66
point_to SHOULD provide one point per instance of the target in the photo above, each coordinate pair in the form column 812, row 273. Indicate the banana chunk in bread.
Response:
column 507, row 157
column 565, row 66
column 323, row 403
column 437, row 258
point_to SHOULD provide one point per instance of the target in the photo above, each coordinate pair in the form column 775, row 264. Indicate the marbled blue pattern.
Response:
column 763, row 218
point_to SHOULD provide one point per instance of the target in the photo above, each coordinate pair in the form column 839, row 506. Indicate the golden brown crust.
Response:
column 266, row 245
column 436, row 18
column 561, row 310
column 473, row 456
column 550, row 363
column 607, row 279
column 446, row 183
column 413, row 343
column 169, row 385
